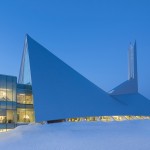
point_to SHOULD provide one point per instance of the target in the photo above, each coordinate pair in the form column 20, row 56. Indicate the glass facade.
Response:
column 25, row 111
column 25, row 73
column 16, row 103
column 8, row 103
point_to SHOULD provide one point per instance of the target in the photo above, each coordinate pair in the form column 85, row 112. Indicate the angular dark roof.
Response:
column 61, row 92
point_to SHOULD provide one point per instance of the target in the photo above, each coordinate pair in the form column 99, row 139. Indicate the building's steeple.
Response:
column 131, row 85
column 132, row 62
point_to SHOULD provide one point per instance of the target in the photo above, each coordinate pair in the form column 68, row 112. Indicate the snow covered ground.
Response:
column 125, row 135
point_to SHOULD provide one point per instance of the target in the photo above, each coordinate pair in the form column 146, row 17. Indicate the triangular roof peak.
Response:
column 61, row 92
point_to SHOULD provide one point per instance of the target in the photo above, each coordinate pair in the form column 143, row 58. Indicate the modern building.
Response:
column 50, row 90
column 16, row 103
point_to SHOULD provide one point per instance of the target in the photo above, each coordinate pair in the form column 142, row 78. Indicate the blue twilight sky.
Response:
column 92, row 36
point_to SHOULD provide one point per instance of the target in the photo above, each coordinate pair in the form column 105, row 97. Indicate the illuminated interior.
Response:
column 8, row 117
column 108, row 118
column 3, row 94
column 2, row 119
column 14, row 108
column 5, row 130
column 24, row 98
column 25, row 110
column 25, row 115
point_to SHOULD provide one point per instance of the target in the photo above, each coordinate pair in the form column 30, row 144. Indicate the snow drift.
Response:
column 125, row 135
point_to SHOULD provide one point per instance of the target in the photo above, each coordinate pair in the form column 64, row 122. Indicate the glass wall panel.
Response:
column 3, row 94
column 25, row 74
column 10, row 126
column 129, row 117
column 2, row 116
column 14, row 89
column 90, row 118
column 25, row 111
column 25, row 115
column 29, row 99
column 139, row 117
column 3, row 128
column 11, row 116
column 14, row 105
column 20, row 115
column 105, row 118
column 118, row 118
column 3, row 104
column 24, row 94
column 9, row 88
column 2, row 88
column 21, row 98
column 9, row 105
column 29, row 115
column 8, row 115
column 2, row 119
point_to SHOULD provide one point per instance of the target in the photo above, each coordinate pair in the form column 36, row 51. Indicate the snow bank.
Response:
column 125, row 135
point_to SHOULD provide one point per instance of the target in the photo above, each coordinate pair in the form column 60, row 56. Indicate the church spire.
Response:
column 132, row 62
column 131, row 85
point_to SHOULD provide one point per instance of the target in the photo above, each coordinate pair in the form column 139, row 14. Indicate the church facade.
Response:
column 50, row 90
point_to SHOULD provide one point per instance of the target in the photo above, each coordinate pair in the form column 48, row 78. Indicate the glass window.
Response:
column 2, row 116
column 139, row 117
column 129, row 117
column 25, row 115
column 118, row 118
column 8, row 116
column 20, row 115
column 21, row 98
column 24, row 98
column 3, row 94
column 2, row 119
column 14, row 89
column 25, row 75
column 9, row 89
column 2, row 88
column 90, row 118
column 29, row 99
column 11, row 116
column 105, row 118
column 29, row 115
